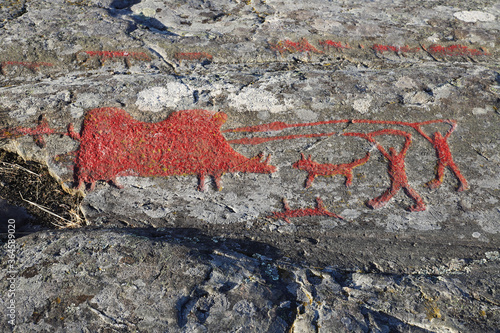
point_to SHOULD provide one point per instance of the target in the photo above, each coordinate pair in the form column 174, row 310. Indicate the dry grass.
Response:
column 31, row 185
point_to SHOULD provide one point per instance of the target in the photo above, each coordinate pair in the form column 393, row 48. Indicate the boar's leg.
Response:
column 218, row 180
column 80, row 185
column 201, row 182
column 310, row 179
column 116, row 183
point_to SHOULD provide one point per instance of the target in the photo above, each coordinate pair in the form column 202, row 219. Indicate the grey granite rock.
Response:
column 181, row 280
column 163, row 256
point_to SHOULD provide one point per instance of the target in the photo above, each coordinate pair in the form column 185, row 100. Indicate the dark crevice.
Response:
column 119, row 8
column 384, row 322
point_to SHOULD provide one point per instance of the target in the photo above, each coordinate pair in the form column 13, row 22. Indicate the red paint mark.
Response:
column 397, row 172
column 316, row 169
column 454, row 50
column 444, row 157
column 288, row 46
column 257, row 140
column 278, row 125
column 188, row 142
column 320, row 210
column 37, row 132
column 113, row 144
column 328, row 44
column 398, row 49
column 440, row 144
column 193, row 56
column 34, row 66
column 105, row 55
column 72, row 134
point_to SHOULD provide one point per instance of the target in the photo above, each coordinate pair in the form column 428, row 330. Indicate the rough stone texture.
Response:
column 192, row 261
column 181, row 280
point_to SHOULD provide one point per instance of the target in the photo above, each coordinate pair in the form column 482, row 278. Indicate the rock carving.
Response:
column 190, row 142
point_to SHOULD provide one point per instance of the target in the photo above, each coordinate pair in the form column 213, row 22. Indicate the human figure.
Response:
column 444, row 157
column 397, row 173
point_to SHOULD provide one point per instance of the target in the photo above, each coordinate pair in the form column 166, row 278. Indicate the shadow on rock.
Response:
column 119, row 9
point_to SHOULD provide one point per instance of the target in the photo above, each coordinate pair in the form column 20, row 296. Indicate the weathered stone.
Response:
column 335, row 81
column 181, row 280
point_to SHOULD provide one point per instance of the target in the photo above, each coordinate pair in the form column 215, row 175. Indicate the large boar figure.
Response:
column 188, row 142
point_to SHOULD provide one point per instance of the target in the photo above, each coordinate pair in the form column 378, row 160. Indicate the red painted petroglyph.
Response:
column 288, row 46
column 439, row 142
column 257, row 140
column 37, row 132
column 397, row 49
column 396, row 167
column 304, row 46
column 188, row 142
column 454, row 50
column 397, row 173
column 316, row 169
column 105, row 55
column 288, row 213
column 193, row 56
column 328, row 44
column 444, row 157
column 34, row 66
column 279, row 125
column 113, row 144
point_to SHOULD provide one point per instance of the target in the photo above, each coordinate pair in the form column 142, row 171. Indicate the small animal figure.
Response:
column 320, row 210
column 317, row 169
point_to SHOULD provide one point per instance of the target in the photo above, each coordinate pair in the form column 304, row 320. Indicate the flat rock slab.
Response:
column 357, row 138
column 182, row 280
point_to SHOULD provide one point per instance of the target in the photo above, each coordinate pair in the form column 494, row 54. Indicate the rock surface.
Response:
column 256, row 250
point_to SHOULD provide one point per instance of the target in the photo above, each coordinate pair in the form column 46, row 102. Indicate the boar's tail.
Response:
column 72, row 134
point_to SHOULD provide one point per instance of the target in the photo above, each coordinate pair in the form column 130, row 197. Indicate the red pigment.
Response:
column 188, row 142
column 104, row 55
column 444, row 157
column 455, row 50
column 256, row 141
column 193, row 56
column 397, row 49
column 397, row 173
column 286, row 45
column 328, row 44
column 30, row 65
column 316, row 169
column 279, row 125
column 439, row 142
column 320, row 210
column 37, row 132
column 222, row 148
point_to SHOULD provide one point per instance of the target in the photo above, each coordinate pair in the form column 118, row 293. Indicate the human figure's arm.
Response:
column 407, row 144
column 453, row 125
column 422, row 133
